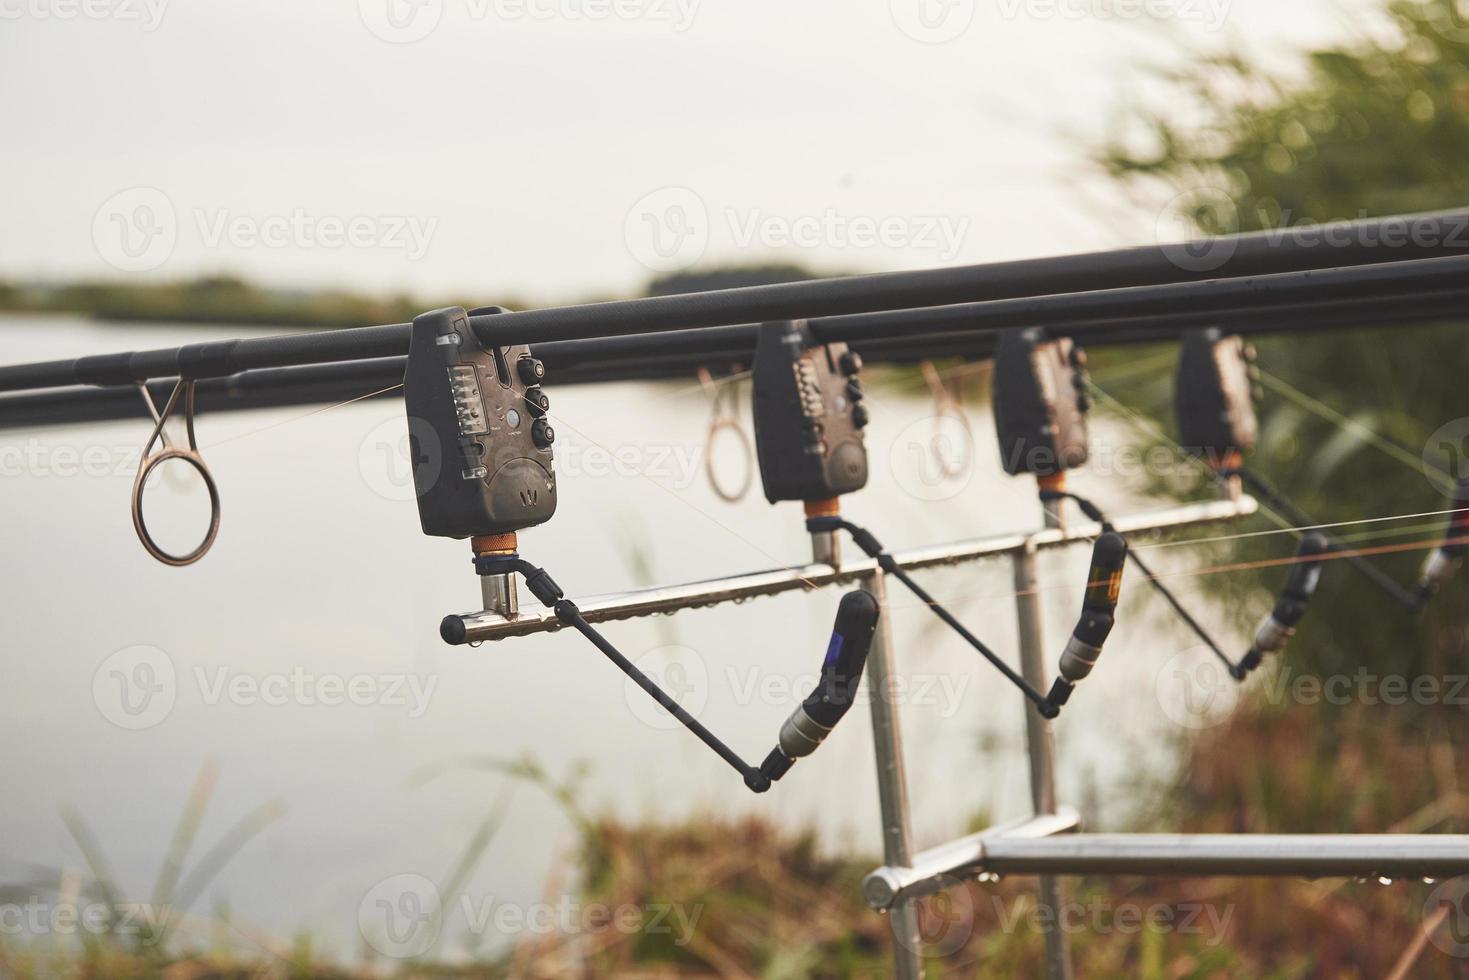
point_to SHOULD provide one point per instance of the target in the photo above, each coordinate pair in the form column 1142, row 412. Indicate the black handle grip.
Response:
column 1444, row 560
column 1098, row 609
column 1458, row 521
column 836, row 688
column 1279, row 626
column 1304, row 575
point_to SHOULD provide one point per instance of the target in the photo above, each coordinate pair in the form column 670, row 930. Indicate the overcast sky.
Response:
column 555, row 149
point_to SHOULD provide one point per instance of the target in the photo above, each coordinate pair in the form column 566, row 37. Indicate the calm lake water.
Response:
column 302, row 655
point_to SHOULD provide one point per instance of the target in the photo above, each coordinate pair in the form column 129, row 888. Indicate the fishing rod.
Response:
column 1445, row 560
column 1119, row 284
column 1216, row 391
column 650, row 357
column 810, row 412
column 1040, row 407
column 483, row 470
column 1040, row 404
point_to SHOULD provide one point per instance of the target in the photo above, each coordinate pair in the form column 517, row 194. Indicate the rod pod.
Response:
column 801, row 733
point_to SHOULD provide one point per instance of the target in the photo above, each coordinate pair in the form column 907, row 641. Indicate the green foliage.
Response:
column 727, row 277
column 1378, row 126
column 214, row 299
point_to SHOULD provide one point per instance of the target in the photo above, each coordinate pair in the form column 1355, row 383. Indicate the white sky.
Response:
column 519, row 136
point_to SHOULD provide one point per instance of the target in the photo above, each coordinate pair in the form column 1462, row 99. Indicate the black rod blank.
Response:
column 1251, row 269
column 640, row 357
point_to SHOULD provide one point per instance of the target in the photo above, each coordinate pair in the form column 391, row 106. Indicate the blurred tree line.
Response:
column 1378, row 126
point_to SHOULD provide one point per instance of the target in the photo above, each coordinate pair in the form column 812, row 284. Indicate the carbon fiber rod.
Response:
column 1284, row 263
column 615, row 360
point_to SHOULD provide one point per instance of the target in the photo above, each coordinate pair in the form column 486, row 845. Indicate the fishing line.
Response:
column 1253, row 565
column 1324, row 411
column 561, row 420
column 303, row 417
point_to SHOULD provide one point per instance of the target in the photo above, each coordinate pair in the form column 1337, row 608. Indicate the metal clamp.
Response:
column 151, row 461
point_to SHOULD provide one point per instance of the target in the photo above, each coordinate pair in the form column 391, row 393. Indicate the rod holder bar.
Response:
column 481, row 626
column 935, row 869
column 1033, row 847
column 1242, row 855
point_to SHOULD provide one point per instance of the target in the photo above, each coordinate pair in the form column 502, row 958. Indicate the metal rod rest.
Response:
column 935, row 869
column 479, row 626
column 1032, row 848
column 1308, row 855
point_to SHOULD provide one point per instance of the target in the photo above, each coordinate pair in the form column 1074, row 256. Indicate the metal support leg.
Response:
column 1041, row 746
column 892, row 783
